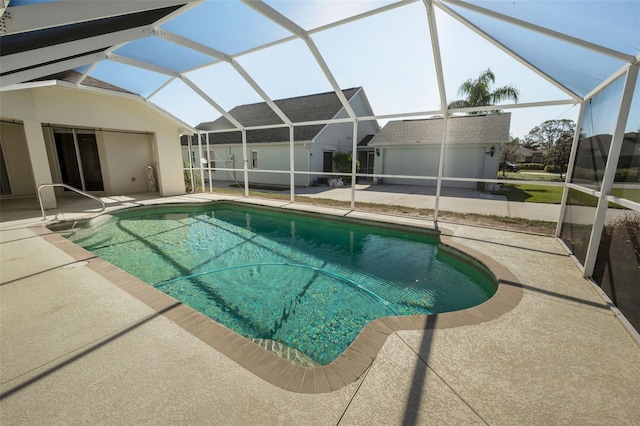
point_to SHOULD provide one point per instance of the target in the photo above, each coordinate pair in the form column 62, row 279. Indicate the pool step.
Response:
column 286, row 352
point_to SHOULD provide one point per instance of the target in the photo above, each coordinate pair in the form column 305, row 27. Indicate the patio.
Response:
column 76, row 348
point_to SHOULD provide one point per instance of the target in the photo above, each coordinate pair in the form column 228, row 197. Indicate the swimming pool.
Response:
column 286, row 280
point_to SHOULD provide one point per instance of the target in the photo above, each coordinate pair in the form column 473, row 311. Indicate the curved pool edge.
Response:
column 349, row 366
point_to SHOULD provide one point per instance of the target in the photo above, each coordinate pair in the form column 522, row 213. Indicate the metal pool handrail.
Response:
column 64, row 185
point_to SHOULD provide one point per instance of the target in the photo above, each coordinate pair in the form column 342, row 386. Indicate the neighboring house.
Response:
column 524, row 154
column 536, row 157
column 268, row 149
column 527, row 155
column 92, row 136
column 412, row 148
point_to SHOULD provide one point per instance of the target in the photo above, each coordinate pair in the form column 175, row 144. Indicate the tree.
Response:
column 529, row 144
column 558, row 155
column 478, row 92
column 549, row 133
column 509, row 152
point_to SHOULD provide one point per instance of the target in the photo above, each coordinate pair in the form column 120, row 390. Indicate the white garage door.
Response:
column 411, row 161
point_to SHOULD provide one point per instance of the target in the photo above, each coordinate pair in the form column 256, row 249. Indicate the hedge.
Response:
column 531, row 166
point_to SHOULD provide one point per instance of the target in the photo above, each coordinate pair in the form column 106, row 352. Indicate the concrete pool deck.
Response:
column 76, row 348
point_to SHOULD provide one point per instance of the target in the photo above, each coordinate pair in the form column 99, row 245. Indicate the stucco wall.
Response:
column 16, row 156
column 270, row 157
column 68, row 107
column 127, row 157
column 335, row 137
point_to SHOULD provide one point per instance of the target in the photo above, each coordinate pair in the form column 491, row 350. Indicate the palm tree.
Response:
column 478, row 92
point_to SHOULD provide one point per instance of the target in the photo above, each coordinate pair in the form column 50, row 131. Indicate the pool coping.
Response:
column 349, row 366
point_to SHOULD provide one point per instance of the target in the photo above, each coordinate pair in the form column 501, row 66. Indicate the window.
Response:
column 254, row 159
column 327, row 162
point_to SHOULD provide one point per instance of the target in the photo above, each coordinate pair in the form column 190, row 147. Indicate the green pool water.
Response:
column 284, row 279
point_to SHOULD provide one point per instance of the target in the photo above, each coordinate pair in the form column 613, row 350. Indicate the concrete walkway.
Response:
column 76, row 349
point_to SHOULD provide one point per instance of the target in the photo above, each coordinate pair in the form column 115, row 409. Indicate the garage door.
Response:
column 410, row 161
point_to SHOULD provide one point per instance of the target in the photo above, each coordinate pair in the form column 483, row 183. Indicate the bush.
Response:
column 628, row 175
column 552, row 168
column 531, row 166
column 342, row 164
column 622, row 175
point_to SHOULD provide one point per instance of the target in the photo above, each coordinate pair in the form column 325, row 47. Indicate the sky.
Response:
column 388, row 54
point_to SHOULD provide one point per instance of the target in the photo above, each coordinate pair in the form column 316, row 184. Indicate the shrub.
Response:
column 628, row 175
column 552, row 168
column 531, row 166
column 342, row 162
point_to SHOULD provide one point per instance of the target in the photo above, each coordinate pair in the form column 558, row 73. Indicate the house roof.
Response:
column 319, row 106
column 525, row 151
column 460, row 130
column 365, row 141
column 74, row 76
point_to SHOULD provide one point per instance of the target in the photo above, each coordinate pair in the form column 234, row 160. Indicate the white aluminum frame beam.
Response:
column 505, row 49
column 515, row 106
column 211, row 102
column 354, row 162
column 294, row 28
column 175, row 38
column 610, row 170
column 622, row 71
column 175, row 74
column 292, row 166
column 569, row 175
column 437, row 60
column 545, row 31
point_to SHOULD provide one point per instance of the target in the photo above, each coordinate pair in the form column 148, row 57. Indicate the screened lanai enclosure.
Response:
column 270, row 93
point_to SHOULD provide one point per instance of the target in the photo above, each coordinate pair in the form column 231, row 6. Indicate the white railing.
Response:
column 64, row 185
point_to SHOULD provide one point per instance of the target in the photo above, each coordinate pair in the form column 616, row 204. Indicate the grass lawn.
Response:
column 531, row 193
column 553, row 194
column 531, row 175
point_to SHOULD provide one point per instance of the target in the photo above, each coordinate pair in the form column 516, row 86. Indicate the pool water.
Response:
column 302, row 282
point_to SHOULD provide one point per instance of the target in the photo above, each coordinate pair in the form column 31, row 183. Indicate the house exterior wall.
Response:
column 470, row 161
column 16, row 157
column 308, row 155
column 461, row 161
column 339, row 137
column 408, row 160
column 271, row 156
column 126, row 157
column 66, row 107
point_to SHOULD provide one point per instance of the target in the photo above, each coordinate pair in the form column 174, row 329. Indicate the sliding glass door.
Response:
column 78, row 158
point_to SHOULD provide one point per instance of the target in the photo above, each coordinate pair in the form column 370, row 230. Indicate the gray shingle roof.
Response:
column 365, row 140
column 74, row 76
column 463, row 129
column 320, row 106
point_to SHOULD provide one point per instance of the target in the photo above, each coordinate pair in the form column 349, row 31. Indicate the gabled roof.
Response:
column 365, row 141
column 320, row 106
column 460, row 130
column 525, row 151
column 74, row 76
